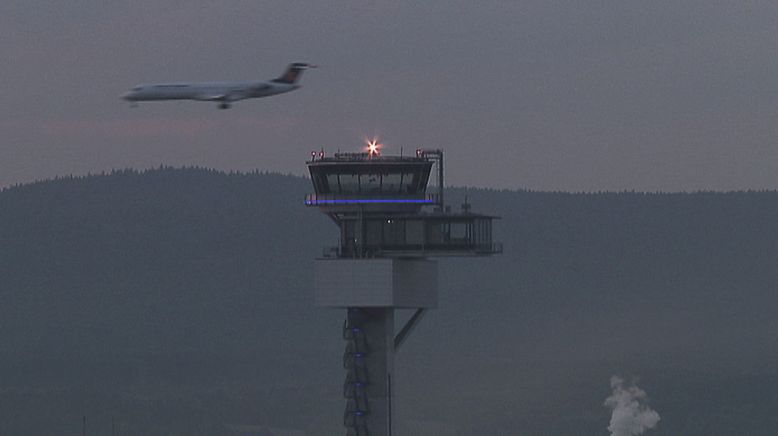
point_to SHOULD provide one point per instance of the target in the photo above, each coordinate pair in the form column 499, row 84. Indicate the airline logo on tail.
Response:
column 293, row 73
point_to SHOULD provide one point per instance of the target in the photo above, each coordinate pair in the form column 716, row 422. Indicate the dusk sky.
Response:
column 538, row 94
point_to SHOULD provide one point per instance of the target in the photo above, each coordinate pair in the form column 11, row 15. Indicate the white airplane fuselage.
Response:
column 207, row 91
column 222, row 92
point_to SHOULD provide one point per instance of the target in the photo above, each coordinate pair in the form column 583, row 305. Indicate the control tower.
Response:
column 390, row 227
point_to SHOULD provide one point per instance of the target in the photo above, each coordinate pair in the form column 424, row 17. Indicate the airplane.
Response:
column 223, row 92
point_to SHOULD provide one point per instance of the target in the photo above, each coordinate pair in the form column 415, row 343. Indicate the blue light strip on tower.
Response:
column 369, row 200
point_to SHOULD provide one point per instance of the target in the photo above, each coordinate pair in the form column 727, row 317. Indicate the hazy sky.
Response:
column 542, row 94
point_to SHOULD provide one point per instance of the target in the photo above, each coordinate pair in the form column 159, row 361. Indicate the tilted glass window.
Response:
column 370, row 183
column 437, row 232
column 391, row 183
column 407, row 186
column 459, row 232
column 334, row 185
column 349, row 183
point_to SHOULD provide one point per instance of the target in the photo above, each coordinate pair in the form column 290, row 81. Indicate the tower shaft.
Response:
column 369, row 364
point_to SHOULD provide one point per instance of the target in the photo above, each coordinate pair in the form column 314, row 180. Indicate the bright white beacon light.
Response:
column 373, row 147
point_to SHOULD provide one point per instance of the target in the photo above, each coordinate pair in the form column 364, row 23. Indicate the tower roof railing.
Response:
column 364, row 156
column 335, row 199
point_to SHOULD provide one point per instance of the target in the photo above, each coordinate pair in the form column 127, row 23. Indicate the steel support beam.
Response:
column 408, row 328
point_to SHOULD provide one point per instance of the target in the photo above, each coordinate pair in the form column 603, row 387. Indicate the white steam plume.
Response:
column 631, row 416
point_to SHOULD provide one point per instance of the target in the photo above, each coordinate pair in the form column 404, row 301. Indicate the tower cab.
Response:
column 383, row 207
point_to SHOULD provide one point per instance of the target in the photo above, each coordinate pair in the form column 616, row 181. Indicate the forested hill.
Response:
column 152, row 260
column 180, row 301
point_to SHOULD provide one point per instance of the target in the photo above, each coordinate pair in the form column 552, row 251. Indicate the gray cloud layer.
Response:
column 543, row 94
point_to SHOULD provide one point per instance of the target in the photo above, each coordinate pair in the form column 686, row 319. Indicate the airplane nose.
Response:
column 131, row 95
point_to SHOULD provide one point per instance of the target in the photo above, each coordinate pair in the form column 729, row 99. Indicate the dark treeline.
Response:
column 179, row 301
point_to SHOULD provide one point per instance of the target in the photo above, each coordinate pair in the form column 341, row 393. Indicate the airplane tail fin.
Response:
column 293, row 73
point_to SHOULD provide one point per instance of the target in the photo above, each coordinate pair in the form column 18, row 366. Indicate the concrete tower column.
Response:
column 369, row 364
column 371, row 290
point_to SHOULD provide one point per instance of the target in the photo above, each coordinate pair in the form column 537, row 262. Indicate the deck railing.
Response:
column 340, row 199
column 431, row 250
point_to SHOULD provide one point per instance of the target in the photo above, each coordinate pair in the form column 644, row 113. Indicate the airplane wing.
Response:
column 260, row 88
column 223, row 96
column 212, row 97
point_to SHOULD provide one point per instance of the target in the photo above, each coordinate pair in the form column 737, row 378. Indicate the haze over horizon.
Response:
column 181, row 302
column 549, row 95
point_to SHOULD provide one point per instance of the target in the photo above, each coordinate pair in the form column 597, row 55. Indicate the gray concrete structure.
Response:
column 381, row 264
column 377, row 282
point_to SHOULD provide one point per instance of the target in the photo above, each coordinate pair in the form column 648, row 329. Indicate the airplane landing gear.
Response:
column 224, row 105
